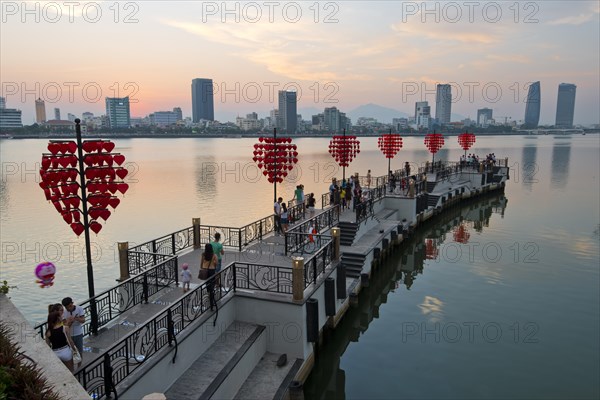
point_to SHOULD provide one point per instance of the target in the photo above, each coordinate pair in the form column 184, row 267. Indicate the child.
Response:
column 186, row 277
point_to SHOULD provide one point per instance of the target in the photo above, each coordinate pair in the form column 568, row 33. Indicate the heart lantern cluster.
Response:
column 434, row 142
column 103, row 173
column 275, row 156
column 466, row 140
column 344, row 149
column 390, row 144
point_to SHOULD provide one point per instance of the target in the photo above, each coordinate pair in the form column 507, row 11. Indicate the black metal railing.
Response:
column 136, row 290
column 166, row 245
column 315, row 265
column 325, row 220
column 364, row 210
column 129, row 353
column 145, row 255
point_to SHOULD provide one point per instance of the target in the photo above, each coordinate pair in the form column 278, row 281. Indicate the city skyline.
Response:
column 394, row 62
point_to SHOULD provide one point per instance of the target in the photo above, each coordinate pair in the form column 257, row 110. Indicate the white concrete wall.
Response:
column 285, row 323
column 160, row 373
column 407, row 208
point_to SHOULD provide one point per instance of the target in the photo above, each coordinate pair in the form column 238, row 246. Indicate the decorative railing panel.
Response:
column 263, row 277
column 327, row 219
column 315, row 265
column 129, row 293
column 364, row 210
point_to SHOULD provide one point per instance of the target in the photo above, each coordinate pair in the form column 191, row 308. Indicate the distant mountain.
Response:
column 382, row 114
column 457, row 117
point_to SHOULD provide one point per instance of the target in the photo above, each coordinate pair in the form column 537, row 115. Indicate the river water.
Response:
column 511, row 313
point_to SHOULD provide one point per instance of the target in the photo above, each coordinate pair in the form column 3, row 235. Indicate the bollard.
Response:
column 196, row 229
column 123, row 260
column 364, row 280
column 341, row 281
column 296, row 391
column 330, row 297
column 312, row 320
column 298, row 278
column 394, row 238
column 335, row 233
column 385, row 243
column 353, row 299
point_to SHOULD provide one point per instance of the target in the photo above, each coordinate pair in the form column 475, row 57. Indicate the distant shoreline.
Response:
column 241, row 136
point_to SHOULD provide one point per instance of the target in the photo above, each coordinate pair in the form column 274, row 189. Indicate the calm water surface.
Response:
column 513, row 313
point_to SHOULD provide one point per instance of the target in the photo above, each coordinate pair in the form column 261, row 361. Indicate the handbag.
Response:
column 203, row 274
column 76, row 356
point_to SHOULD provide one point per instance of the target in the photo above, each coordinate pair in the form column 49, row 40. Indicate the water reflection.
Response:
column 328, row 379
column 561, row 154
column 529, row 166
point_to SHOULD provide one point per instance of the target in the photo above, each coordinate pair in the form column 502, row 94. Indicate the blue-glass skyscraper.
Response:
column 202, row 100
column 565, row 105
column 532, row 107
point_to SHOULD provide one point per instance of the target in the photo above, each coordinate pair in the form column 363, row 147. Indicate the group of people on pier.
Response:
column 349, row 194
column 64, row 333
column 281, row 210
column 472, row 160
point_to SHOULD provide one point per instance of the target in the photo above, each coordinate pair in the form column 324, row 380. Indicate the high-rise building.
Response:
column 57, row 114
column 2, row 103
column 565, row 105
column 10, row 118
column 532, row 107
column 203, row 106
column 484, row 117
column 288, row 113
column 443, row 103
column 40, row 111
column 422, row 114
column 71, row 117
column 118, row 113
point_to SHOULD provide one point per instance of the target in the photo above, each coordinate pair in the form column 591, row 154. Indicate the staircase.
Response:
column 220, row 372
column 430, row 186
column 348, row 232
column 432, row 200
column 353, row 263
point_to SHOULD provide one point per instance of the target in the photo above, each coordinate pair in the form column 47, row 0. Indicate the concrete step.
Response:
column 222, row 369
column 268, row 381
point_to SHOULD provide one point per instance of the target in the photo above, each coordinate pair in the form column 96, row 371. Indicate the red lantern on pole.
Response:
column 434, row 142
column 78, row 175
column 344, row 149
column 276, row 156
column 389, row 144
column 466, row 140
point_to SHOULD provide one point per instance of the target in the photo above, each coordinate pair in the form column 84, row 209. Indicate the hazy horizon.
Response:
column 344, row 54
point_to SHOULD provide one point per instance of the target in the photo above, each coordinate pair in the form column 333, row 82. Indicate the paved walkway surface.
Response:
column 270, row 251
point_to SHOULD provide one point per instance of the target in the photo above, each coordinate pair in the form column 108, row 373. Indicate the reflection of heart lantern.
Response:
column 434, row 142
column 45, row 273
column 461, row 235
column 431, row 250
column 275, row 156
column 390, row 144
column 344, row 148
column 103, row 173
column 466, row 140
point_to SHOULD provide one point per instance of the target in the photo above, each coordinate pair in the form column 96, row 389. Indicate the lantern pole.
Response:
column 433, row 155
column 344, row 149
column 389, row 159
column 88, row 252
column 467, row 131
column 275, row 165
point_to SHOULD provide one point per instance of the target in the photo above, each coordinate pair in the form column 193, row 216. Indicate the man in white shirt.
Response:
column 277, row 214
column 74, row 316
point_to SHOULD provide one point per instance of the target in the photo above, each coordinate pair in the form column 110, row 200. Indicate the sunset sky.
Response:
column 344, row 54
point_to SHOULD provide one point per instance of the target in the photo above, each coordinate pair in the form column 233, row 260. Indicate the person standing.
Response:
column 277, row 214
column 74, row 318
column 218, row 250
column 284, row 218
column 186, row 277
column 311, row 204
column 407, row 169
column 59, row 339
column 369, row 179
column 209, row 262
